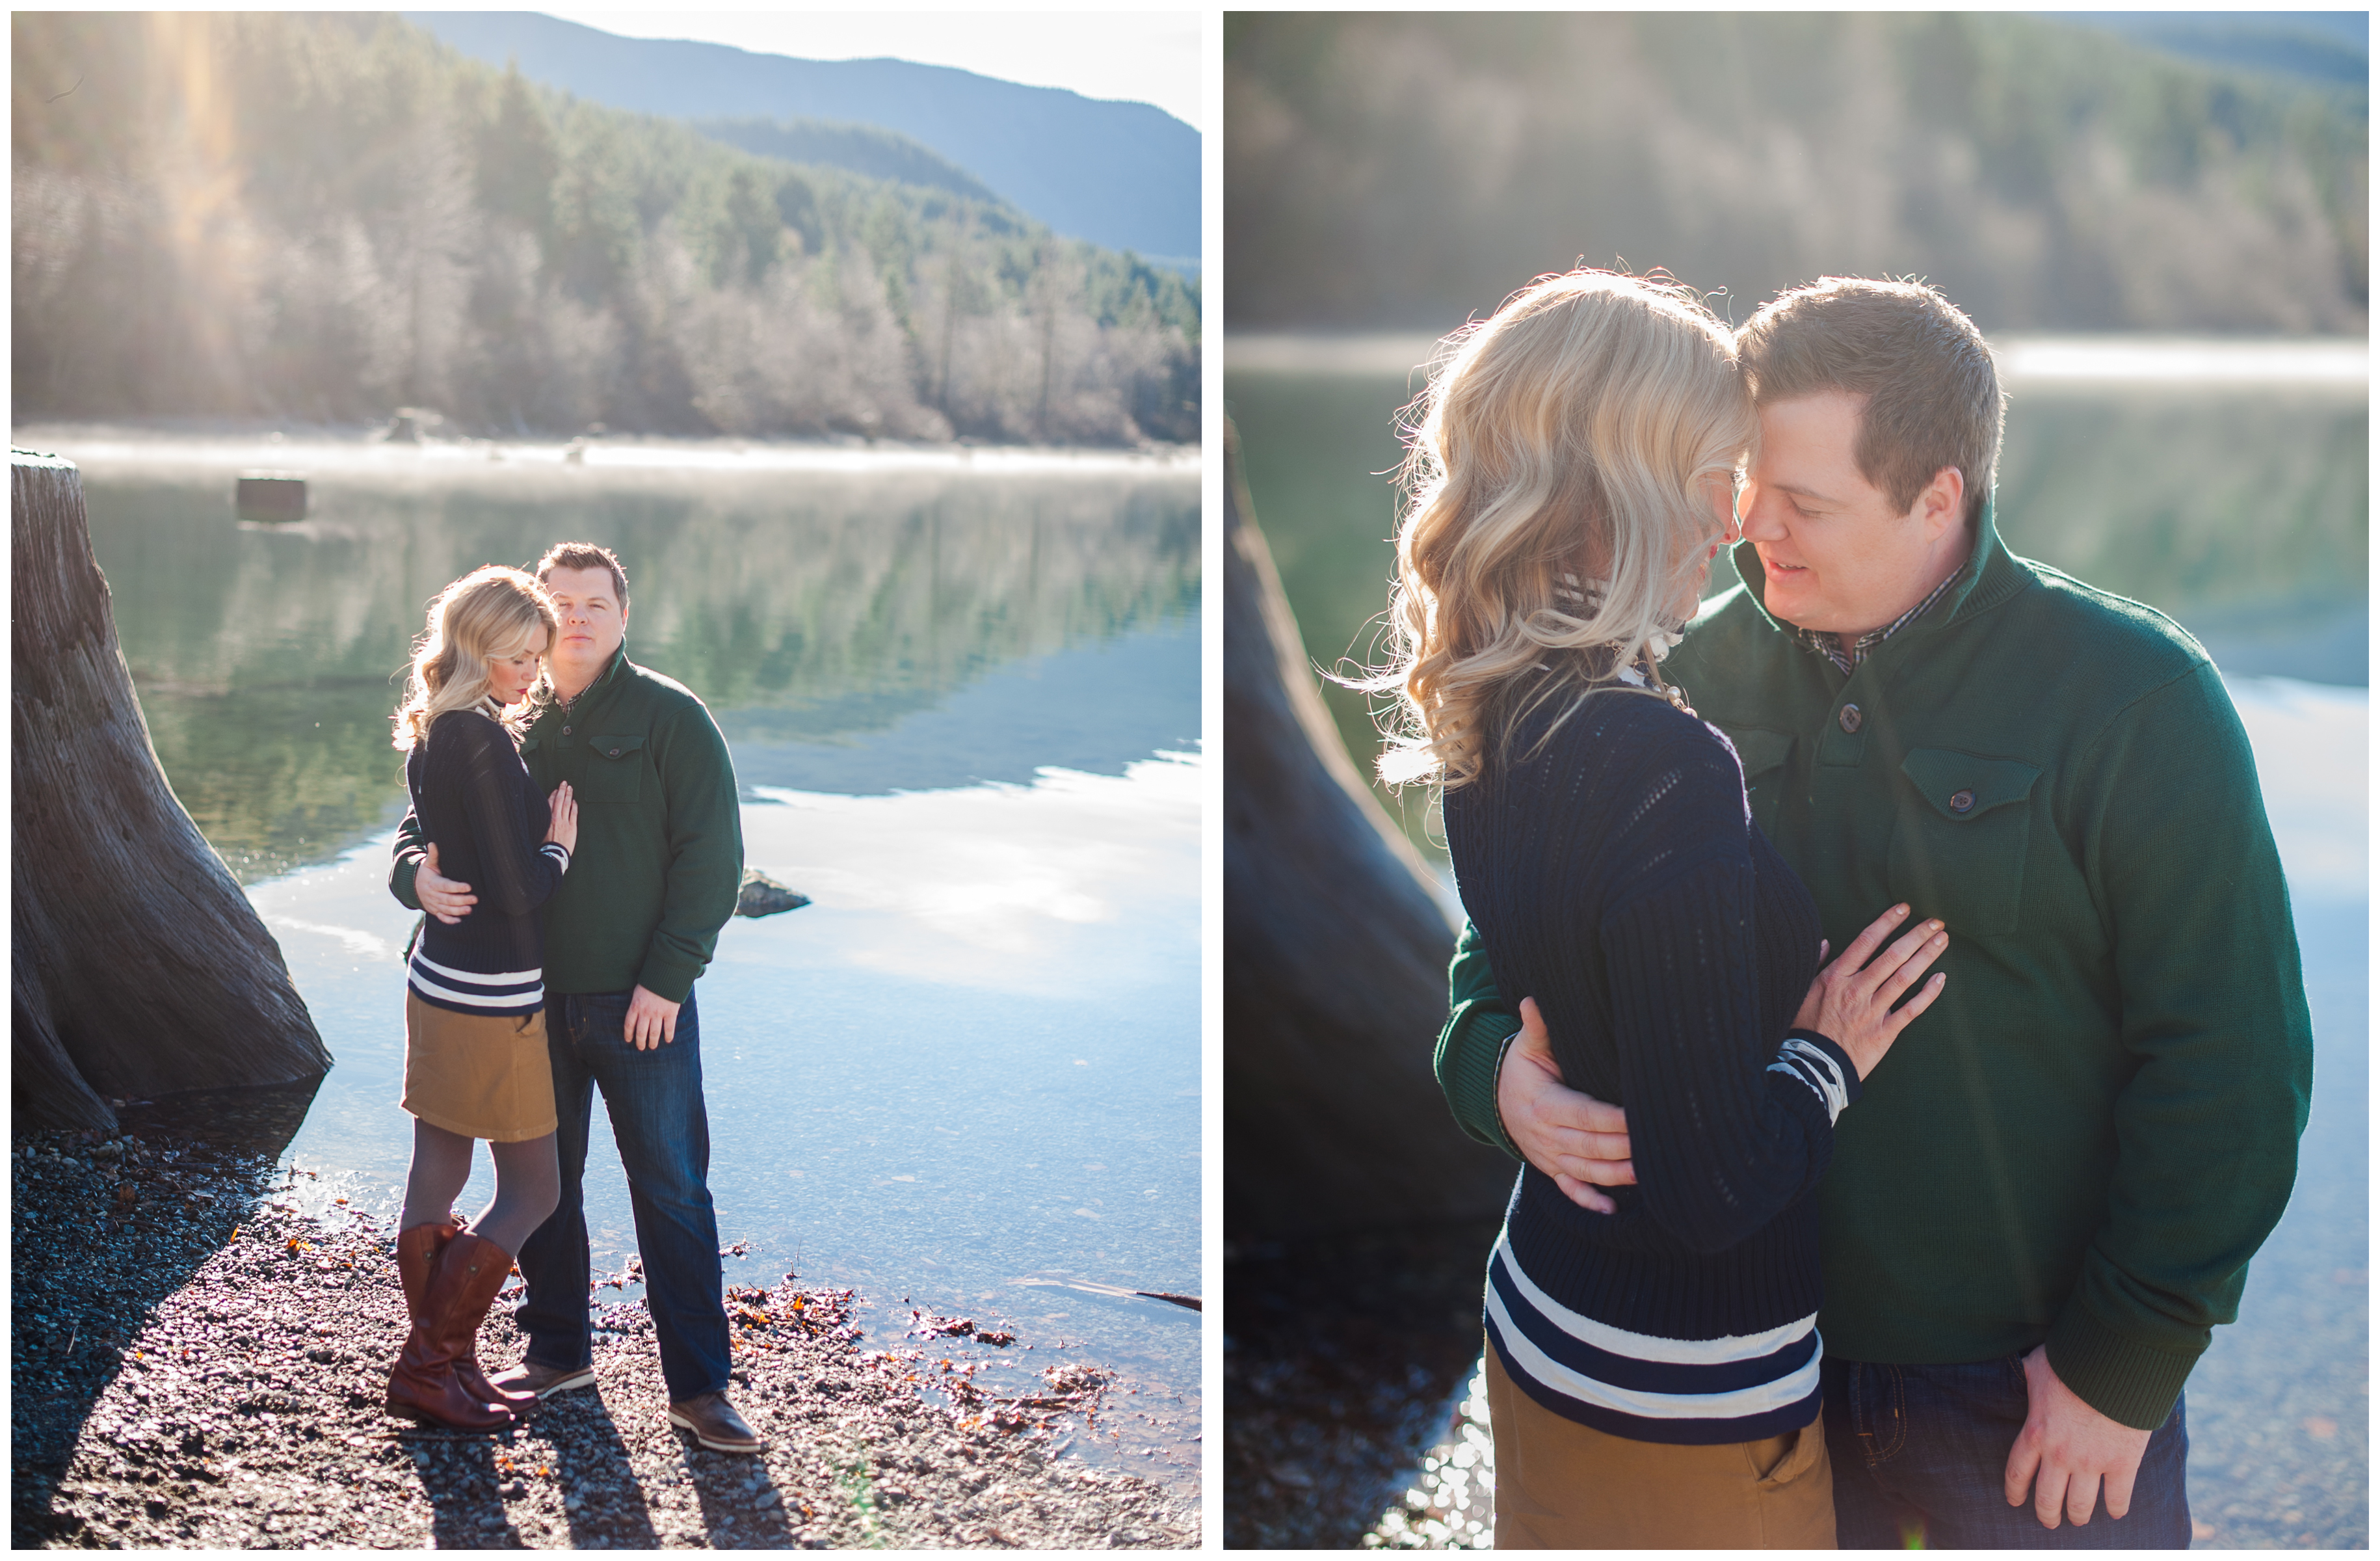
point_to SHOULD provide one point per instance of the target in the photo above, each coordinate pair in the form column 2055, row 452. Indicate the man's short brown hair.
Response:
column 1933, row 394
column 585, row 555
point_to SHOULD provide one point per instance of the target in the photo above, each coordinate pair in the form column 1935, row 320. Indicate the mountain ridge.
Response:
column 1125, row 176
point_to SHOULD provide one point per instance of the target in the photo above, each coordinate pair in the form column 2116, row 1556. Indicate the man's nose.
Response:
column 1762, row 518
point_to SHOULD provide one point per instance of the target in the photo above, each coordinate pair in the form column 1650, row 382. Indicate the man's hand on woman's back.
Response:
column 444, row 897
column 1573, row 1138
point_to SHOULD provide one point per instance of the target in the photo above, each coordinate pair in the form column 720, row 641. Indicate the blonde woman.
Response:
column 1653, row 1371
column 475, row 1054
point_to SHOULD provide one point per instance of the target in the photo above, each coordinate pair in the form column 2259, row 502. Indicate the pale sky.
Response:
column 1138, row 57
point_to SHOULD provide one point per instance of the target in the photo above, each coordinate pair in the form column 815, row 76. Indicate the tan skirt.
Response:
column 1561, row 1485
column 484, row 1075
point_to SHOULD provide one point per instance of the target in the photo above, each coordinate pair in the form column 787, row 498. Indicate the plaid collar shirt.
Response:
column 1828, row 646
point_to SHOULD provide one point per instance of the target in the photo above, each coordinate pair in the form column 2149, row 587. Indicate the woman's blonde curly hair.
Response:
column 490, row 614
column 1564, row 444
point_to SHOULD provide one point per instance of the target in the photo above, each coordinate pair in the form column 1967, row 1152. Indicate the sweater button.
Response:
column 1848, row 719
column 1962, row 801
column 565, row 731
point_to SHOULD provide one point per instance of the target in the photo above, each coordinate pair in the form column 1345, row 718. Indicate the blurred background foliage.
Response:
column 324, row 216
column 1410, row 169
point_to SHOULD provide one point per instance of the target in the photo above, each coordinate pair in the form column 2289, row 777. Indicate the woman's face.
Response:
column 1720, row 490
column 509, row 677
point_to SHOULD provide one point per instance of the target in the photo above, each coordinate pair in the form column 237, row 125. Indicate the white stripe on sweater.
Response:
column 1645, row 1346
column 1779, row 1393
column 1799, row 1059
column 503, row 1003
column 477, row 977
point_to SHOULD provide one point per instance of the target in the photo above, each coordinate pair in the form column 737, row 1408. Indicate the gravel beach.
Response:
column 1339, row 1359
column 195, row 1365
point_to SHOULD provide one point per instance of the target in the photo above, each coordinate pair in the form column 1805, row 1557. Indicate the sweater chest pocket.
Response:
column 614, row 768
column 1959, row 838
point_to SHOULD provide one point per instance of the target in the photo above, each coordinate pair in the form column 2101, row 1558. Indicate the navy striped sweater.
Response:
column 474, row 800
column 1615, row 875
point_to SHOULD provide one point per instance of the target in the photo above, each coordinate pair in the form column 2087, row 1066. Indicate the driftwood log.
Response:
column 1334, row 955
column 139, row 969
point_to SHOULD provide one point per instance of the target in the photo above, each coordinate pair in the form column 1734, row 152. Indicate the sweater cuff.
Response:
column 1476, row 1045
column 1842, row 1060
column 400, row 882
column 666, row 979
column 2121, row 1375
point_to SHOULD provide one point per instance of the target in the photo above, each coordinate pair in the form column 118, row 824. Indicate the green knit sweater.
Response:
column 2088, row 1136
column 661, row 838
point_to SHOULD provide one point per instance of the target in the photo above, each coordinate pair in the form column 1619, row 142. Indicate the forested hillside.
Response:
column 865, row 150
column 1125, row 175
column 326, row 216
column 1404, row 169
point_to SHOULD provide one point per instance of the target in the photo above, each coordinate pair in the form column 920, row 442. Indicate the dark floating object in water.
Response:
column 410, row 425
column 1094, row 1287
column 270, row 496
column 762, row 896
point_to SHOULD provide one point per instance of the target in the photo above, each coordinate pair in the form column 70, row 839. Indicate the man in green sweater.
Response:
column 660, row 857
column 2050, row 1191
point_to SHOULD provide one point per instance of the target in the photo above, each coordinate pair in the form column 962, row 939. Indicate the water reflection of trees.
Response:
column 2196, row 505
column 265, row 658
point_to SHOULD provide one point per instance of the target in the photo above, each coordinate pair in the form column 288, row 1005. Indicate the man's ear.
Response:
column 1941, row 506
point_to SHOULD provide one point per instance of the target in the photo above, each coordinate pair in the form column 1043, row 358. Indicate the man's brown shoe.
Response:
column 716, row 1424
column 544, row 1382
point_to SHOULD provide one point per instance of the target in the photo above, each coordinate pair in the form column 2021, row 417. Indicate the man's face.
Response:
column 593, row 620
column 1839, row 558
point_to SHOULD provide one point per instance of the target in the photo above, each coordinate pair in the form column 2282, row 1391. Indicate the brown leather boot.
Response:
column 418, row 1250
column 463, row 1285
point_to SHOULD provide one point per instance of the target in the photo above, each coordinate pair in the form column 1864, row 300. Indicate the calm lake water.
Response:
column 963, row 702
column 2225, row 485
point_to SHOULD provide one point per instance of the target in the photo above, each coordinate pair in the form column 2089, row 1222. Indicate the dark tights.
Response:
column 528, row 1184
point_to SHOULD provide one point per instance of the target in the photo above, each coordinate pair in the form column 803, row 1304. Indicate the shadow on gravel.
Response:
column 713, row 1473
column 465, row 1510
column 104, row 1228
column 1339, row 1359
column 591, row 1456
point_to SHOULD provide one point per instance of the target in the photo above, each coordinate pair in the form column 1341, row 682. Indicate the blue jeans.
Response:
column 1921, row 1454
column 654, row 1099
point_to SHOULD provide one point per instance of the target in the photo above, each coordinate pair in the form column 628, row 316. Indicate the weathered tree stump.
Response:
column 139, row 968
column 1334, row 955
